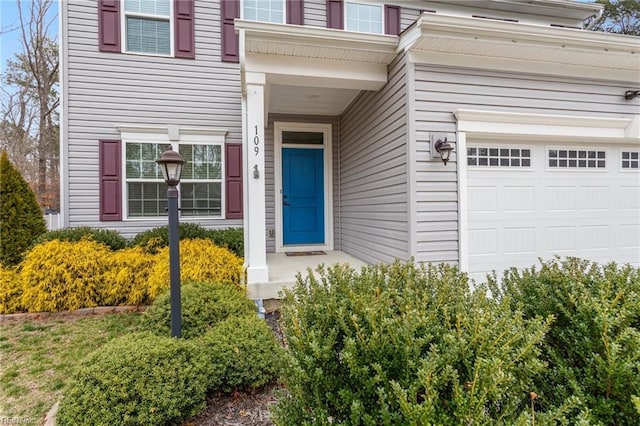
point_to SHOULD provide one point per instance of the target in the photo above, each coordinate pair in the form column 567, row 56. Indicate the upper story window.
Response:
column 264, row 10
column 364, row 17
column 147, row 26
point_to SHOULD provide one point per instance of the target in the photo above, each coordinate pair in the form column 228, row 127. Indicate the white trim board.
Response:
column 325, row 129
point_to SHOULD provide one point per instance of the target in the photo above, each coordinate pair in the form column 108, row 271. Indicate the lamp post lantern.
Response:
column 171, row 163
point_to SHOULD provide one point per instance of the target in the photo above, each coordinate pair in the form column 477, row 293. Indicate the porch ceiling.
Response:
column 481, row 38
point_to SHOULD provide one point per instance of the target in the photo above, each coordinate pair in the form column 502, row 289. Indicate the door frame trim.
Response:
column 325, row 129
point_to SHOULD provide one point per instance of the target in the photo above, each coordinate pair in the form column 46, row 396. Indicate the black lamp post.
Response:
column 171, row 164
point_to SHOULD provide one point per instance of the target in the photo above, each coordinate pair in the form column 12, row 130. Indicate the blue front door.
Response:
column 302, row 196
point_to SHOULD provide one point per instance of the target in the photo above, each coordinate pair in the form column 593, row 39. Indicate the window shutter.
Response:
column 184, row 29
column 335, row 14
column 233, row 181
column 230, row 45
column 392, row 20
column 110, row 179
column 109, row 25
column 295, row 12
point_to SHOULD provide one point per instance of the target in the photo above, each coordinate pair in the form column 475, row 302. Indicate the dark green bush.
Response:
column 21, row 220
column 593, row 346
column 401, row 344
column 108, row 237
column 230, row 238
column 203, row 306
column 137, row 379
column 242, row 353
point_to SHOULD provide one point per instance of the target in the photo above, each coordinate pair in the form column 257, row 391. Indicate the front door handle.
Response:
column 284, row 200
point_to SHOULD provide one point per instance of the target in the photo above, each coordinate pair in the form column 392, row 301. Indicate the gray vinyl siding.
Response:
column 373, row 172
column 270, row 169
column 439, row 91
column 109, row 89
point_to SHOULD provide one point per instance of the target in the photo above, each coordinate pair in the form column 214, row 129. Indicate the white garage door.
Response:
column 535, row 200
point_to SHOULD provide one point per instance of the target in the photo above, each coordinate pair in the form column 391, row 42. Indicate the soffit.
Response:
column 534, row 44
column 554, row 8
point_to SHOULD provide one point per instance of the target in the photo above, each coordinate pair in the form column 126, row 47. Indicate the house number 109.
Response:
column 256, row 142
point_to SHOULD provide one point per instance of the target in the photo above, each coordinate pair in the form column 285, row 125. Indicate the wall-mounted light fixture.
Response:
column 630, row 94
column 440, row 146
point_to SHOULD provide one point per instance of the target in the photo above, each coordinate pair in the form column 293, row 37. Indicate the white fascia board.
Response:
column 565, row 127
column 317, row 72
column 591, row 52
column 317, row 36
column 169, row 133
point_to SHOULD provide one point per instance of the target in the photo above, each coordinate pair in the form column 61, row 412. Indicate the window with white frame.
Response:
column 576, row 158
column 200, row 186
column 630, row 159
column 364, row 17
column 147, row 26
column 264, row 10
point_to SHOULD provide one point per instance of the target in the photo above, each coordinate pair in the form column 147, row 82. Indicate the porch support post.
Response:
column 255, row 214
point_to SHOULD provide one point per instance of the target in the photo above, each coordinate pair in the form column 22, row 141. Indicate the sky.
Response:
column 10, row 43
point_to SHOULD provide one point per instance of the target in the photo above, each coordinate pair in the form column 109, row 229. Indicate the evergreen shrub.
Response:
column 203, row 306
column 593, row 347
column 405, row 344
column 126, row 279
column 60, row 275
column 137, row 379
column 241, row 353
column 200, row 260
column 10, row 291
column 21, row 219
column 157, row 238
column 108, row 237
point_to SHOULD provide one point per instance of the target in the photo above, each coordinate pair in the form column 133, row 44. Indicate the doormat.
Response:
column 304, row 253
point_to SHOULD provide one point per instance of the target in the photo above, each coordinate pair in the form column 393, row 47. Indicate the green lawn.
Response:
column 37, row 358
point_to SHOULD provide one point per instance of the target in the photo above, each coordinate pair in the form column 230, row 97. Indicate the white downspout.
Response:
column 598, row 17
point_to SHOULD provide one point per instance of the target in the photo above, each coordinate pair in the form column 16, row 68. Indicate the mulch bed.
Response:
column 242, row 408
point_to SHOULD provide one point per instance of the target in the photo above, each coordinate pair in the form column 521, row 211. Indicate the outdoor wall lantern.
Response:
column 440, row 145
column 171, row 163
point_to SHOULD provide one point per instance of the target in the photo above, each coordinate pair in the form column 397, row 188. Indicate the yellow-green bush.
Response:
column 126, row 279
column 201, row 261
column 60, row 275
column 10, row 291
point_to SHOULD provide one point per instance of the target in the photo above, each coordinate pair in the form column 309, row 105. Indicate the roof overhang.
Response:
column 312, row 56
column 525, row 47
column 569, row 9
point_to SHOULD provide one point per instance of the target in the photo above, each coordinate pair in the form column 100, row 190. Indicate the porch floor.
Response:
column 283, row 270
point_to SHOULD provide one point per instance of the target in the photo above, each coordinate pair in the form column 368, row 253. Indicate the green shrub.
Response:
column 60, row 275
column 242, row 353
column 203, row 306
column 401, row 344
column 137, row 379
column 108, row 237
column 21, row 220
column 200, row 260
column 593, row 346
column 156, row 238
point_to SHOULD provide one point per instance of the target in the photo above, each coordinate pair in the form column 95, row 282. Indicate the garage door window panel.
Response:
column 501, row 157
column 630, row 160
column 563, row 158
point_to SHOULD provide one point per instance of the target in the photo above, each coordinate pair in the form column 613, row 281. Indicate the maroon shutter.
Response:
column 392, row 20
column 230, row 45
column 109, row 25
column 185, row 29
column 335, row 14
column 233, row 180
column 110, row 188
column 295, row 12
